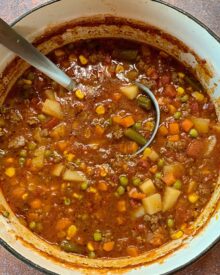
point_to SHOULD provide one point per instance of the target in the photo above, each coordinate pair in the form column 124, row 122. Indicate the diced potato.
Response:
column 38, row 160
column 130, row 91
column 57, row 169
column 153, row 156
column 52, row 108
column 170, row 197
column 201, row 124
column 177, row 169
column 71, row 175
column 148, row 187
column 58, row 131
column 138, row 212
column 152, row 204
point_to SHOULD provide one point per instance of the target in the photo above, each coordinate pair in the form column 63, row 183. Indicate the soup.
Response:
column 68, row 165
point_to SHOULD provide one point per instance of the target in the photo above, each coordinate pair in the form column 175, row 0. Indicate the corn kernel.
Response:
column 70, row 157
column 71, row 232
column 25, row 196
column 27, row 81
column 180, row 91
column 100, row 110
column 198, row 96
column 177, row 235
column 77, row 196
column 79, row 94
column 119, row 69
column 181, row 75
column 10, row 172
column 172, row 109
column 149, row 126
column 90, row 247
column 103, row 172
column 147, row 152
column 83, row 59
column 92, row 190
column 193, row 198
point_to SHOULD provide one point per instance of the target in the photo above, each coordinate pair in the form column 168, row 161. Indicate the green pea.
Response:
column 193, row 133
column 177, row 184
column 136, row 181
column 97, row 236
column 158, row 175
column 137, row 125
column 123, row 180
column 32, row 145
column 91, row 255
column 161, row 163
column 84, row 185
column 21, row 161
column 23, row 153
column 32, row 225
column 170, row 223
column 120, row 190
column 47, row 153
column 41, row 117
column 177, row 115
column 184, row 98
column 67, row 201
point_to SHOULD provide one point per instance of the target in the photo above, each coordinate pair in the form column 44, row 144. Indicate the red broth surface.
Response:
column 67, row 169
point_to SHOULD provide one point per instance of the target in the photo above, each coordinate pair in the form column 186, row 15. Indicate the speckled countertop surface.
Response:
column 207, row 11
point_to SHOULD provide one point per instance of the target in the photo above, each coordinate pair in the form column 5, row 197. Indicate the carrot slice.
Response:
column 163, row 130
column 108, row 246
column 174, row 128
column 169, row 179
column 174, row 138
column 187, row 124
column 136, row 195
column 132, row 251
column 127, row 121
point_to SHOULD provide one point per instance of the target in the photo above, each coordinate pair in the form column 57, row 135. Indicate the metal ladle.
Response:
column 19, row 45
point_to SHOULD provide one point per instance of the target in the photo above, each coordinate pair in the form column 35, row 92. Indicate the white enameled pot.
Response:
column 195, row 44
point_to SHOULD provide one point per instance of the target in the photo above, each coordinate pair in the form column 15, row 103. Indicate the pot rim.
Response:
column 204, row 251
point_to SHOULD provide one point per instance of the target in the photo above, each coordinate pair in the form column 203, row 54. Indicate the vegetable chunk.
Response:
column 52, row 108
column 152, row 204
column 170, row 197
column 130, row 91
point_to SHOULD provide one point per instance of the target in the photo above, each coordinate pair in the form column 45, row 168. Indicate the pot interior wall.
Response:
column 103, row 26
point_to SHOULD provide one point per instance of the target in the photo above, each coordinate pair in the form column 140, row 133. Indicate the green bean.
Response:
column 129, row 55
column 135, row 136
column 144, row 102
column 70, row 247
column 193, row 83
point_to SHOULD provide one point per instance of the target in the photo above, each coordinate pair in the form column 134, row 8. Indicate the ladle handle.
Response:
column 19, row 45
